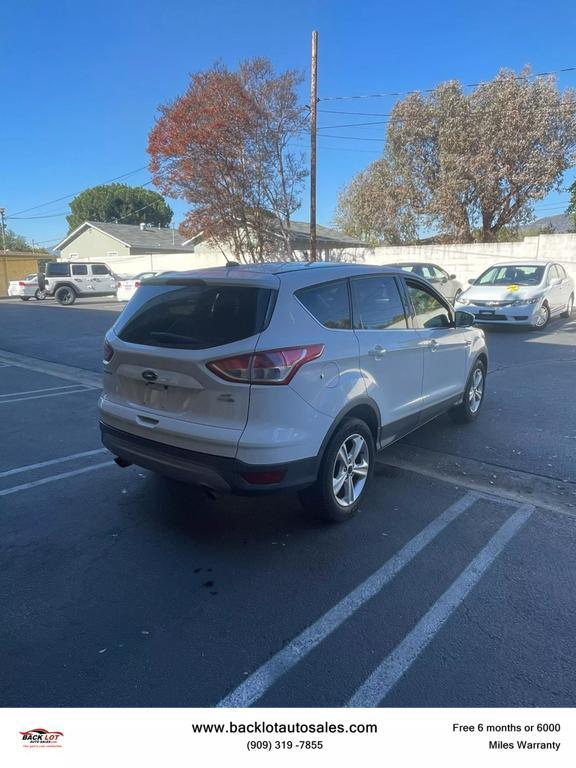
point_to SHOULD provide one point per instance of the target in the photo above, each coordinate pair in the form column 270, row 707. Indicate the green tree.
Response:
column 15, row 242
column 121, row 203
column 572, row 206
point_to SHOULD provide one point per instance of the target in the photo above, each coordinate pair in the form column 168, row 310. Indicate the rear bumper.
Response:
column 217, row 473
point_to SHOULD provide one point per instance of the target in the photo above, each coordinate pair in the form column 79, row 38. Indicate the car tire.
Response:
column 569, row 307
column 39, row 295
column 473, row 397
column 25, row 298
column 345, row 473
column 543, row 320
column 65, row 295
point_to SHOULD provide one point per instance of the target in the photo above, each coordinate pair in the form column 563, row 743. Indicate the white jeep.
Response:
column 67, row 280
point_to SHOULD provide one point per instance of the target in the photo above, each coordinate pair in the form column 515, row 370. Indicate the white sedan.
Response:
column 26, row 288
column 526, row 293
column 127, row 287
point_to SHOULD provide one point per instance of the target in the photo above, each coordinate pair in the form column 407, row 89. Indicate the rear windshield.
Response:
column 193, row 316
column 57, row 269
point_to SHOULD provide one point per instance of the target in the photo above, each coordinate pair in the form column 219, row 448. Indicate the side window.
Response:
column 439, row 273
column 552, row 274
column 377, row 304
column 329, row 303
column 79, row 269
column 429, row 311
column 427, row 272
column 561, row 271
column 100, row 269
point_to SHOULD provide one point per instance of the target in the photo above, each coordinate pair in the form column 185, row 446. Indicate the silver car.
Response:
column 528, row 293
column 447, row 284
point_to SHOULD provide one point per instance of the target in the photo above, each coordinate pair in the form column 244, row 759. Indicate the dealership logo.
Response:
column 40, row 737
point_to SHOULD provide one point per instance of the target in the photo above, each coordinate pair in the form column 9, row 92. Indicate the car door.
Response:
column 554, row 292
column 445, row 347
column 565, row 286
column 82, row 278
column 102, row 279
column 391, row 353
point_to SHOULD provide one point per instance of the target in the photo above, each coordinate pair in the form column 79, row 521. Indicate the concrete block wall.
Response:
column 469, row 260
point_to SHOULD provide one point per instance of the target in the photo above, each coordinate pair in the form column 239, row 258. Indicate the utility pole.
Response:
column 313, row 104
column 3, row 227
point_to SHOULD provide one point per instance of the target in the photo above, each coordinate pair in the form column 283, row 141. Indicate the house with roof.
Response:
column 131, row 248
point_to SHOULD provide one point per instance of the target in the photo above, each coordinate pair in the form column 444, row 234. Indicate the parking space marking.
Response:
column 398, row 662
column 54, row 478
column 256, row 685
column 51, row 462
column 60, row 371
column 74, row 391
column 38, row 391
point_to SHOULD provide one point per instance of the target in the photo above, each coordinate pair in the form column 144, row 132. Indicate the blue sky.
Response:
column 81, row 82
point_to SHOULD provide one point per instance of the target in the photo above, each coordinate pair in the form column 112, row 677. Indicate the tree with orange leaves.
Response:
column 224, row 146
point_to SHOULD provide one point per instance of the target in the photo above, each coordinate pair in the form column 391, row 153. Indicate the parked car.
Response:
column 447, row 284
column 284, row 376
column 67, row 280
column 529, row 293
column 26, row 288
column 127, row 286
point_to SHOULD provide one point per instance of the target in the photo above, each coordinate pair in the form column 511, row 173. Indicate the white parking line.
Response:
column 51, row 462
column 255, row 686
column 36, row 391
column 74, row 391
column 397, row 663
column 53, row 478
column 78, row 375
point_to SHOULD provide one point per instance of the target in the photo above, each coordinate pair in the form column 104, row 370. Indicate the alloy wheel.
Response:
column 350, row 470
column 476, row 391
column 542, row 316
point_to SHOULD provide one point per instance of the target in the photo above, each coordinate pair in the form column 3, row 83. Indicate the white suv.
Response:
column 66, row 280
column 284, row 376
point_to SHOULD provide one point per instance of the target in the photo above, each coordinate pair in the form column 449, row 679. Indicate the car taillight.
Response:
column 23, row 284
column 118, row 284
column 137, row 284
column 108, row 351
column 273, row 366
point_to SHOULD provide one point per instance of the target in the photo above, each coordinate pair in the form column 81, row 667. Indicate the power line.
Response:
column 429, row 90
column 352, row 138
column 353, row 125
column 366, row 114
column 73, row 194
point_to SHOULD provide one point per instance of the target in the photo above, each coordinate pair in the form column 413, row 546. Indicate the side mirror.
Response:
column 452, row 277
column 472, row 281
column 463, row 319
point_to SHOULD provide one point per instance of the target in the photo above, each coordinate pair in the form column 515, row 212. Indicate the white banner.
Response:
column 172, row 738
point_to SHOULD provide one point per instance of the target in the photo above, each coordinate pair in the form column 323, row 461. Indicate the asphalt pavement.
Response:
column 453, row 587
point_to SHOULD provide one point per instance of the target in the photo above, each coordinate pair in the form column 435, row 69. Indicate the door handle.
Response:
column 377, row 352
column 433, row 345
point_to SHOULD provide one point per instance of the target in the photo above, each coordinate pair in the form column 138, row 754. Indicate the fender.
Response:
column 348, row 408
column 62, row 284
